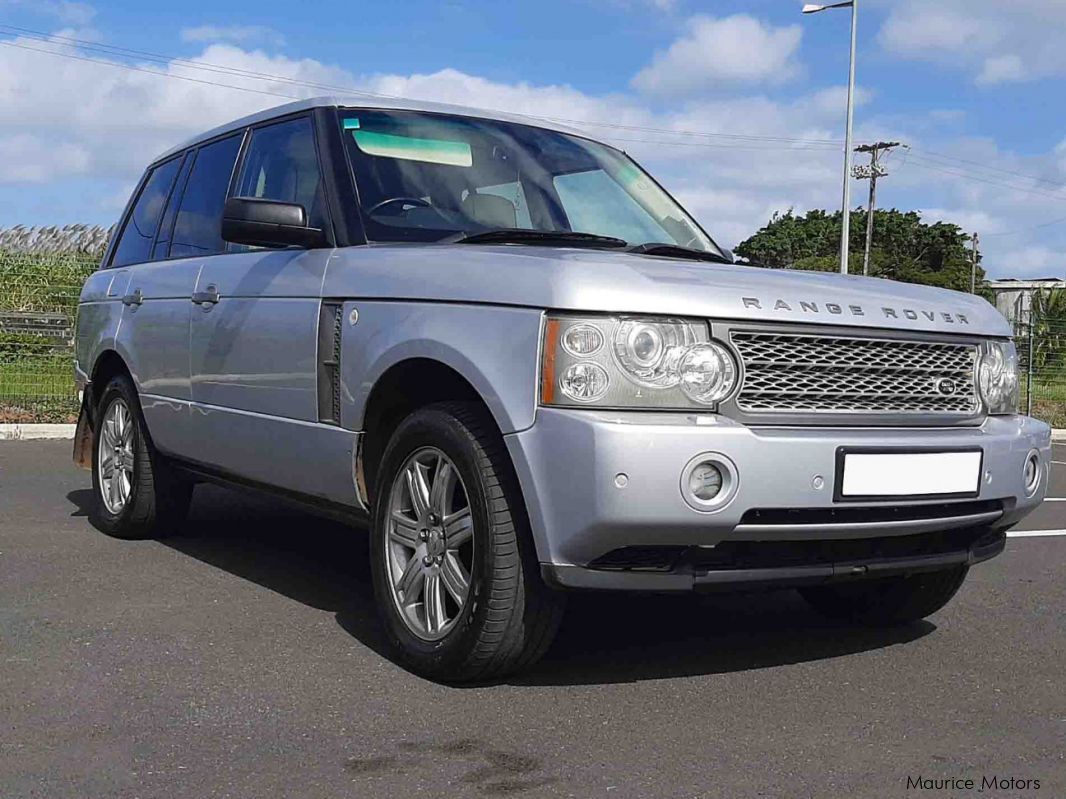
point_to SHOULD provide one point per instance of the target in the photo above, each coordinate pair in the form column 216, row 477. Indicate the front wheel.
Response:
column 137, row 494
column 455, row 576
column 887, row 601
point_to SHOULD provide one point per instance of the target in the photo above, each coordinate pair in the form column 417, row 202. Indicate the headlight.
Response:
column 634, row 362
column 997, row 376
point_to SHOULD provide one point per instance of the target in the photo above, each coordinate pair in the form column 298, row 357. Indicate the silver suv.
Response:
column 505, row 348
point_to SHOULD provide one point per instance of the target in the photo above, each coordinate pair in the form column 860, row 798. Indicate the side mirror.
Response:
column 729, row 254
column 268, row 223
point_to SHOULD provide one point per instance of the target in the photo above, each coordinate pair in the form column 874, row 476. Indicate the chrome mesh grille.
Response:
column 790, row 373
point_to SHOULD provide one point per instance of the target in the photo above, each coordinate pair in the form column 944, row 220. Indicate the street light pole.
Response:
column 845, row 206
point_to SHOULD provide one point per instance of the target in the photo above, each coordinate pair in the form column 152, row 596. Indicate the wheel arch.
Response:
column 401, row 389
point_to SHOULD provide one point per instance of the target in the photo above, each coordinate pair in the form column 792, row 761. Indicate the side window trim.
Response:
column 193, row 154
column 342, row 194
column 173, row 202
column 131, row 209
column 112, row 246
column 315, row 136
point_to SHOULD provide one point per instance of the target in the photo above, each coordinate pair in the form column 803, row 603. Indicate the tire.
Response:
column 508, row 616
column 887, row 601
column 153, row 500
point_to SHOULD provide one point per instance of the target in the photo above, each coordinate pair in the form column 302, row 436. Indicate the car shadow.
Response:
column 604, row 638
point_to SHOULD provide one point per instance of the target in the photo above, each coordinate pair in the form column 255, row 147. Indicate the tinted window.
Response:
column 596, row 203
column 281, row 164
column 135, row 243
column 427, row 177
column 166, row 227
column 198, row 228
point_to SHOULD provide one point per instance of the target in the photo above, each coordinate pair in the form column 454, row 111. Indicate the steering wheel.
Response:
column 418, row 202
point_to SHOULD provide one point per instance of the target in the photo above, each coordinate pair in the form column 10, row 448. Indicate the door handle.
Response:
column 208, row 296
column 134, row 300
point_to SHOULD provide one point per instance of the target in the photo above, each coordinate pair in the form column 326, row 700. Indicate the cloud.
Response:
column 996, row 42
column 716, row 52
column 67, row 12
column 25, row 158
column 81, row 133
column 237, row 34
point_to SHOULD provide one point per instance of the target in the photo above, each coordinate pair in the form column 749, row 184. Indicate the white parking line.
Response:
column 1053, row 499
column 1033, row 533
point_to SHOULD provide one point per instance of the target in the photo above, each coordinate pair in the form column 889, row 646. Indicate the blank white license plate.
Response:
column 898, row 474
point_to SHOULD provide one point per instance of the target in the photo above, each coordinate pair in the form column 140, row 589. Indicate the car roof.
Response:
column 366, row 103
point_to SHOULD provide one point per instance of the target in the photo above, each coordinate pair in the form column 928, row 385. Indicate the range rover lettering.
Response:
column 506, row 350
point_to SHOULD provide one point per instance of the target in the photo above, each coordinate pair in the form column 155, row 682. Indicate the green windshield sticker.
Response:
column 351, row 124
column 431, row 151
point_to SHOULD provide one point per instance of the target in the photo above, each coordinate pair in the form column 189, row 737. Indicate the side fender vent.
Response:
column 329, row 362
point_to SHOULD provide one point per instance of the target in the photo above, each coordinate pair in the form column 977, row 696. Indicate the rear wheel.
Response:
column 455, row 576
column 137, row 494
column 887, row 601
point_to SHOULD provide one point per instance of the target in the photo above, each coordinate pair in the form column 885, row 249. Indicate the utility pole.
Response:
column 974, row 242
column 871, row 173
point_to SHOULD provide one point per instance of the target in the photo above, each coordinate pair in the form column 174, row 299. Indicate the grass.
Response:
column 36, row 373
column 38, row 390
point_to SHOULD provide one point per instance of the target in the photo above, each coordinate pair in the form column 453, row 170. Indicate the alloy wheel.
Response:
column 115, row 456
column 429, row 543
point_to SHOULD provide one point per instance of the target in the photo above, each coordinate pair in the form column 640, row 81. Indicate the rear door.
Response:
column 254, row 331
column 153, row 333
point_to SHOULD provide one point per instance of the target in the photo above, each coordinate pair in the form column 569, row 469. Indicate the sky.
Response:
column 737, row 107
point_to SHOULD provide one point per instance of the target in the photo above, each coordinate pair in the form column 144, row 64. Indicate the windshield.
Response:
column 432, row 177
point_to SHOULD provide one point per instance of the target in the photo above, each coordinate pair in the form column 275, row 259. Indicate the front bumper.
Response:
column 582, row 512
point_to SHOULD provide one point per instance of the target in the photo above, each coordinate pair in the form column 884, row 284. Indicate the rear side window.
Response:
column 198, row 227
column 281, row 164
column 166, row 227
column 135, row 243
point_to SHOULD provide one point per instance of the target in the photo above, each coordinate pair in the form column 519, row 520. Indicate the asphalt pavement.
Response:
column 242, row 658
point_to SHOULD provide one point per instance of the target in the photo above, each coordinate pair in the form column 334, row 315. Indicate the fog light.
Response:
column 705, row 481
column 709, row 481
column 1031, row 473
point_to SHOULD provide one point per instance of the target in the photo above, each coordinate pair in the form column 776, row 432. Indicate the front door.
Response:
column 254, row 332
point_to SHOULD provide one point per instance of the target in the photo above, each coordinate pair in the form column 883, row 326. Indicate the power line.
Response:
column 936, row 166
column 202, row 81
column 234, row 71
column 927, row 159
column 986, row 167
column 1028, row 229
column 148, row 71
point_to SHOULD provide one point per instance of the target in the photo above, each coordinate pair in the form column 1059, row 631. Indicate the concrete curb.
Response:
column 32, row 432
column 1058, row 435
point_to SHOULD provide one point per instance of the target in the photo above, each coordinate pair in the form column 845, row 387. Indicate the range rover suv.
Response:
column 509, row 352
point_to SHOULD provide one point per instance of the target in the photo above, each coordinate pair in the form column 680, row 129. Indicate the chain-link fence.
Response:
column 42, row 270
column 41, row 273
column 1041, row 340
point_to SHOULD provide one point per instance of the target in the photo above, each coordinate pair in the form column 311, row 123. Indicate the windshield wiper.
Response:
column 547, row 238
column 677, row 251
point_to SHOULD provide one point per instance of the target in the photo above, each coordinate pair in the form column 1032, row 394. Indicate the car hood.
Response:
column 620, row 282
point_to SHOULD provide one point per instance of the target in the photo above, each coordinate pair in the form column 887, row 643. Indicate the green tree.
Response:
column 1049, row 334
column 904, row 247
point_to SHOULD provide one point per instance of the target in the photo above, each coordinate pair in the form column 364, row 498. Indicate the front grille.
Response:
column 806, row 373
